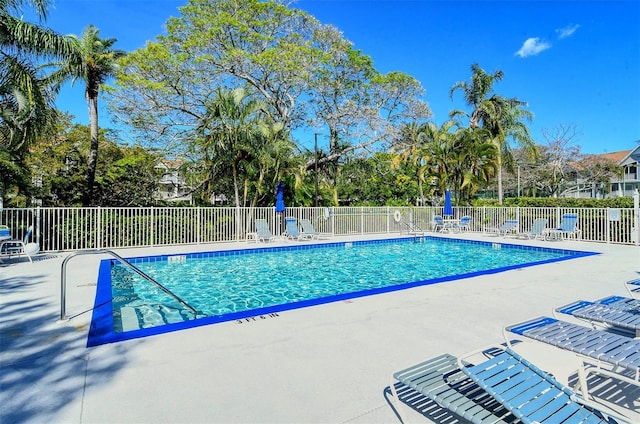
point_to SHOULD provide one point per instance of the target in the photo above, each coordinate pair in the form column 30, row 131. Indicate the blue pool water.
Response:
column 231, row 285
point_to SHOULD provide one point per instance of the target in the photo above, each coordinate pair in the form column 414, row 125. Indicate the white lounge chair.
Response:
column 10, row 247
column 538, row 229
column 509, row 226
column 292, row 232
column 309, row 229
column 263, row 232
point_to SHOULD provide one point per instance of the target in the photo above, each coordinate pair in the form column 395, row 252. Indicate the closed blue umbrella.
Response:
column 448, row 207
column 280, row 198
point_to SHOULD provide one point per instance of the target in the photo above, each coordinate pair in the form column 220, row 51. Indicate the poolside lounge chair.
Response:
column 438, row 224
column 5, row 233
column 537, row 229
column 505, row 229
column 568, row 228
column 520, row 391
column 616, row 311
column 633, row 287
column 597, row 348
column 309, row 229
column 464, row 224
column 441, row 380
column 530, row 394
column 263, row 232
column 292, row 232
column 10, row 247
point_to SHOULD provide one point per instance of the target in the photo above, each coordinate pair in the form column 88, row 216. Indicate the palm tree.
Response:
column 476, row 94
column 479, row 159
column 410, row 148
column 93, row 61
column 26, row 98
column 228, row 130
column 501, row 116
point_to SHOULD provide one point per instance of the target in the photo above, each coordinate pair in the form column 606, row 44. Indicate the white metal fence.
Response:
column 64, row 229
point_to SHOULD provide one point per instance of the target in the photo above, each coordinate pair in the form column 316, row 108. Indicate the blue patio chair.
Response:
column 263, row 232
column 529, row 393
column 596, row 347
column 438, row 224
column 10, row 247
column 633, row 287
column 292, row 232
column 465, row 223
column 502, row 389
column 5, row 233
column 614, row 311
column 568, row 228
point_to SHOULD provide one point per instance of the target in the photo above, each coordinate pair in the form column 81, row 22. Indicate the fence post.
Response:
column 99, row 228
column 37, row 226
column 607, row 222
column 198, row 221
column 636, row 216
column 153, row 226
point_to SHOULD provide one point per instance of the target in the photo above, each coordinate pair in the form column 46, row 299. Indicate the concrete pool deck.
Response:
column 329, row 363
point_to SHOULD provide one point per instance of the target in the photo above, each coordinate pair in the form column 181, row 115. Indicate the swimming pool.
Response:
column 232, row 285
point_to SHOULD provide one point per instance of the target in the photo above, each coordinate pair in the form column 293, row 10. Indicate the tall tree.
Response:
column 26, row 98
column 502, row 117
column 305, row 72
column 93, row 61
column 242, row 144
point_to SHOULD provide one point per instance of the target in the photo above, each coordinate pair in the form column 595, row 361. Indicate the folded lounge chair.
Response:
column 538, row 229
column 291, row 228
column 505, row 229
column 308, row 229
column 10, row 247
column 615, row 311
column 504, row 388
column 568, row 228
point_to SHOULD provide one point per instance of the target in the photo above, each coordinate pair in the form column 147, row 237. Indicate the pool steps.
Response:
column 144, row 316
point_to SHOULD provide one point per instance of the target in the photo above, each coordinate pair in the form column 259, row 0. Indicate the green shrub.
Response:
column 565, row 202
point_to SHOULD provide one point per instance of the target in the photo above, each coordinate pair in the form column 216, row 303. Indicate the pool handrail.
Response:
column 63, row 280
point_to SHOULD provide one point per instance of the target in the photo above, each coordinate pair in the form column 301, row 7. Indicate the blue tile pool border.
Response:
column 101, row 329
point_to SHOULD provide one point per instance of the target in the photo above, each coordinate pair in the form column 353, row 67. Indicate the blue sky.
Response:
column 576, row 63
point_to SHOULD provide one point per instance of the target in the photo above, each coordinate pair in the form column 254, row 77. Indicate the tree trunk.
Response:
column 500, row 181
column 93, row 150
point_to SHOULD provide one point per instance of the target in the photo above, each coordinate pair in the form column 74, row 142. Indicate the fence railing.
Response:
column 70, row 229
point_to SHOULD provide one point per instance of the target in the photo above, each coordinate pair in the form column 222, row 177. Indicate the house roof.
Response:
column 615, row 157
column 632, row 157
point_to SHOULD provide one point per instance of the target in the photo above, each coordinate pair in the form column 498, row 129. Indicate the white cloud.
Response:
column 532, row 46
column 567, row 31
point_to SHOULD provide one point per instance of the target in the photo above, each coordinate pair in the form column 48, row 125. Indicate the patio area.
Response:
column 327, row 363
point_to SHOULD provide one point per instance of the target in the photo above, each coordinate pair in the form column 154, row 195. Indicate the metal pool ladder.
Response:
column 63, row 280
